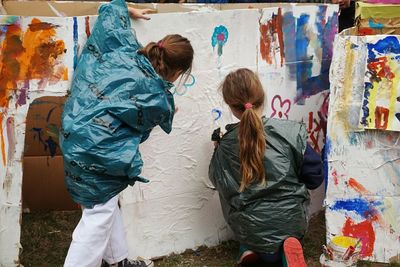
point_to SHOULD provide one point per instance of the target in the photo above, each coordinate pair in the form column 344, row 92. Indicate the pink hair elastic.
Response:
column 160, row 45
column 248, row 106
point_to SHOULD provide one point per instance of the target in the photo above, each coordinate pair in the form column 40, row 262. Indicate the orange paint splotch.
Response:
column 11, row 49
column 358, row 187
column 42, row 52
column 35, row 54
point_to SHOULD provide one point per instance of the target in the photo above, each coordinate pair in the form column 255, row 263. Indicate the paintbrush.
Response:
column 327, row 252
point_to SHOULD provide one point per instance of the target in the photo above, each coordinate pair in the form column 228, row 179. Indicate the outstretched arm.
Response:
column 312, row 174
column 136, row 13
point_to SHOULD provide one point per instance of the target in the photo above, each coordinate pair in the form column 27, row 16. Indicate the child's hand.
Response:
column 216, row 136
column 136, row 13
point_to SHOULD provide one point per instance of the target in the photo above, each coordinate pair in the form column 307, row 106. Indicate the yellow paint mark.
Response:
column 347, row 86
column 389, row 215
column 344, row 241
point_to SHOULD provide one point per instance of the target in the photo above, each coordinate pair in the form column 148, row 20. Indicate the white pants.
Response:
column 98, row 235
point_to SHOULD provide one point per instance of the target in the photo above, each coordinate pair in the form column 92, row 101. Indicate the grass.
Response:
column 46, row 236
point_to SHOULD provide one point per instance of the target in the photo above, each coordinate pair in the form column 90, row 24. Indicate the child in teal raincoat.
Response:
column 119, row 93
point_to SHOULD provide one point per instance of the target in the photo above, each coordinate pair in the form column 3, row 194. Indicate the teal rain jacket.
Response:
column 116, row 99
column 262, row 217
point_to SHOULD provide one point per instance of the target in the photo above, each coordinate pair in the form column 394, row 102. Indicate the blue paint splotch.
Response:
column 216, row 113
column 298, row 60
column 75, row 36
column 49, row 145
column 387, row 45
column 361, row 206
column 289, row 32
column 374, row 25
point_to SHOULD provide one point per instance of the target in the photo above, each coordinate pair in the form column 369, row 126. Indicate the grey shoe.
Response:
column 135, row 263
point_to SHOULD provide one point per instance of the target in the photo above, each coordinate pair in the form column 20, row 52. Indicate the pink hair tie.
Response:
column 248, row 106
column 160, row 45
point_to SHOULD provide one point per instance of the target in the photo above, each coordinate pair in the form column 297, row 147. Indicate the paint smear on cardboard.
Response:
column 271, row 36
column 364, row 231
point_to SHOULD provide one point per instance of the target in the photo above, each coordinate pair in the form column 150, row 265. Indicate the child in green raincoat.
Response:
column 262, row 168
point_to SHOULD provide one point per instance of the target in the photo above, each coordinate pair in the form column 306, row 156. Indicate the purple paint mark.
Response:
column 362, row 207
column 47, row 144
column 22, row 95
column 10, row 138
column 279, row 107
column 52, row 146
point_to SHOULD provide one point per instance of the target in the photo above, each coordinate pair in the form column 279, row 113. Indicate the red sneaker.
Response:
column 248, row 257
column 294, row 253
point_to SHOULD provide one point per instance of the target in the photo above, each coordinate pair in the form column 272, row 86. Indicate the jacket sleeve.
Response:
column 311, row 173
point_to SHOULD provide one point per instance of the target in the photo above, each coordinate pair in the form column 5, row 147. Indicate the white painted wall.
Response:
column 177, row 209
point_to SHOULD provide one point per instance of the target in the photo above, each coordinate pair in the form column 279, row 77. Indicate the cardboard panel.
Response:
column 43, row 185
column 42, row 127
column 363, row 165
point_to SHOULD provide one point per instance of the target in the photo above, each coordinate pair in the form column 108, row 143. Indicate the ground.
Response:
column 46, row 236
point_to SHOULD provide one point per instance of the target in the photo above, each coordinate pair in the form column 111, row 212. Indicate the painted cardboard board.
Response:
column 370, row 10
column 43, row 185
column 363, row 164
column 42, row 127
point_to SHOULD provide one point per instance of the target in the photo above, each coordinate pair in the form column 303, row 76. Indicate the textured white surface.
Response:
column 177, row 209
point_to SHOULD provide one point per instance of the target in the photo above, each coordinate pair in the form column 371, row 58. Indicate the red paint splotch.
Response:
column 365, row 31
column 381, row 68
column 271, row 35
column 335, row 178
column 364, row 231
column 87, row 26
column 353, row 183
column 381, row 118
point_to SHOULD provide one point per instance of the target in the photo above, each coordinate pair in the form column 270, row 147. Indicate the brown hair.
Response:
column 243, row 88
column 171, row 54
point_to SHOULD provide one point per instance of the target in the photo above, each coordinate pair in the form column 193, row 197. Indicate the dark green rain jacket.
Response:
column 263, row 217
column 116, row 99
